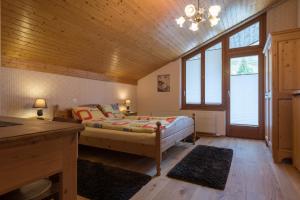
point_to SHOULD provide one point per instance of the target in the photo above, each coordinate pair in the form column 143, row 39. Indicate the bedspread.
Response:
column 143, row 124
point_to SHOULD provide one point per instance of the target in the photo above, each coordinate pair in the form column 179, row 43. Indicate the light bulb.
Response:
column 194, row 27
column 214, row 21
column 214, row 10
column 180, row 21
column 190, row 10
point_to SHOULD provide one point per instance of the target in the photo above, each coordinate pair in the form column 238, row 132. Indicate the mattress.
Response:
column 138, row 137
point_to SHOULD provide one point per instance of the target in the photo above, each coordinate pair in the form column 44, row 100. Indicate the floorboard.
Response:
column 253, row 175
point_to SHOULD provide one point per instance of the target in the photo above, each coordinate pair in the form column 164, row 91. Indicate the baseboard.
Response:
column 199, row 134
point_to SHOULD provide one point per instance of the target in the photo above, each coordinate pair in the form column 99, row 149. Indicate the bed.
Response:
column 129, row 135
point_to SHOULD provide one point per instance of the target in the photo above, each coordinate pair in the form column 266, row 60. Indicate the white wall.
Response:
column 19, row 88
column 168, row 103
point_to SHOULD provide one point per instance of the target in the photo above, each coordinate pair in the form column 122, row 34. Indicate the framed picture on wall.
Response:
column 163, row 83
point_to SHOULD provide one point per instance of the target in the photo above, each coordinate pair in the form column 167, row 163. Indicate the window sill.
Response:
column 203, row 107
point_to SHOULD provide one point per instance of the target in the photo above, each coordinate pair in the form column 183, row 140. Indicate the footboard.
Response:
column 162, row 145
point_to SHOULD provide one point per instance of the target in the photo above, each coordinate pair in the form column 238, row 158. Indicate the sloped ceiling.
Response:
column 121, row 40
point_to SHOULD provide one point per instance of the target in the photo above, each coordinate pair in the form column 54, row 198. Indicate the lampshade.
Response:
column 190, row 10
column 214, row 10
column 180, row 21
column 122, row 108
column 127, row 102
column 214, row 21
column 194, row 27
column 40, row 103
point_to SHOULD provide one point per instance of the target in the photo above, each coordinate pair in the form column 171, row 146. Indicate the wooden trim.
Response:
column 282, row 33
column 210, row 107
column 194, row 133
column 122, row 146
column 158, row 152
column 199, row 134
column 203, row 77
column 248, row 131
column 262, row 34
column 244, row 131
column 226, row 52
column 183, row 82
column 56, row 69
column 202, row 105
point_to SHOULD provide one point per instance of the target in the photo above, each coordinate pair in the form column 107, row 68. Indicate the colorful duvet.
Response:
column 142, row 124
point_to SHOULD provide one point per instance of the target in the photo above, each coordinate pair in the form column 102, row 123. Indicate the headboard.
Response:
column 66, row 113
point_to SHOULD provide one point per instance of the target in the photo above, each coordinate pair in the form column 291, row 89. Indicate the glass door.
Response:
column 244, row 96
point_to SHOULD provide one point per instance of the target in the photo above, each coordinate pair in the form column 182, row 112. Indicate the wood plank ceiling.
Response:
column 121, row 40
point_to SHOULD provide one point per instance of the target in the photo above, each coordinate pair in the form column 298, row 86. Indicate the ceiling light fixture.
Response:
column 196, row 16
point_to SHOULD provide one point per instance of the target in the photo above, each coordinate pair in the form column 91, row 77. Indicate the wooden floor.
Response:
column 253, row 175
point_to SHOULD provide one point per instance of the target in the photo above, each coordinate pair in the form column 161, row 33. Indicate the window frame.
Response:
column 226, row 52
column 241, row 28
column 202, row 105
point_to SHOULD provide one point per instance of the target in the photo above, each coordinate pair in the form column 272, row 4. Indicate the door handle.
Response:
column 228, row 92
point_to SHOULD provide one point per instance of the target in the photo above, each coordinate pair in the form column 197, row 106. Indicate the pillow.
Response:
column 87, row 113
column 112, row 111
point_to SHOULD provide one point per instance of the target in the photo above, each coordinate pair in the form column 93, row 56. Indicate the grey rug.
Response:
column 204, row 165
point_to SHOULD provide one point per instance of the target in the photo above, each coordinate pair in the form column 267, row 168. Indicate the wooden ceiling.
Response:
column 121, row 40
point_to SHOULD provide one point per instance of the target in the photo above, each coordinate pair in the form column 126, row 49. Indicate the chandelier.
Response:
column 196, row 16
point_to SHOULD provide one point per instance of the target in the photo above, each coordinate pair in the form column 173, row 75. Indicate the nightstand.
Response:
column 40, row 118
column 131, row 113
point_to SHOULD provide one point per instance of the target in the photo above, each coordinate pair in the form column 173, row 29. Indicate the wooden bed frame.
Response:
column 153, row 151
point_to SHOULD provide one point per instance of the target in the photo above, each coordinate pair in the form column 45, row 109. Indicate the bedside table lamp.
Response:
column 127, row 103
column 40, row 103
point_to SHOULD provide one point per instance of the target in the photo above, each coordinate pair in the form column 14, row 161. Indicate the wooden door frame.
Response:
column 226, row 53
column 247, row 131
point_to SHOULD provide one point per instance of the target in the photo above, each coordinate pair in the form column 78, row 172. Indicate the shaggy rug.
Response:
column 97, row 181
column 204, row 165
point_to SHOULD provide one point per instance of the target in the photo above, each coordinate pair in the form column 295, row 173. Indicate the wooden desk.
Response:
column 39, row 149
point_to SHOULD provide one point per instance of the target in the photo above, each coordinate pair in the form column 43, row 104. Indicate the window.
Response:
column 213, row 74
column 246, row 37
column 244, row 77
column 193, row 80
column 199, row 90
column 203, row 71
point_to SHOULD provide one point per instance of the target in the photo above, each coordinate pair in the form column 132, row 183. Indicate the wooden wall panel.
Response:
column 125, row 40
column 285, row 124
column 288, row 65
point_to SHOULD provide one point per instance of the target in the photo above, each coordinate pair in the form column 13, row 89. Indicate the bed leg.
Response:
column 158, row 169
column 194, row 133
column 158, row 153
